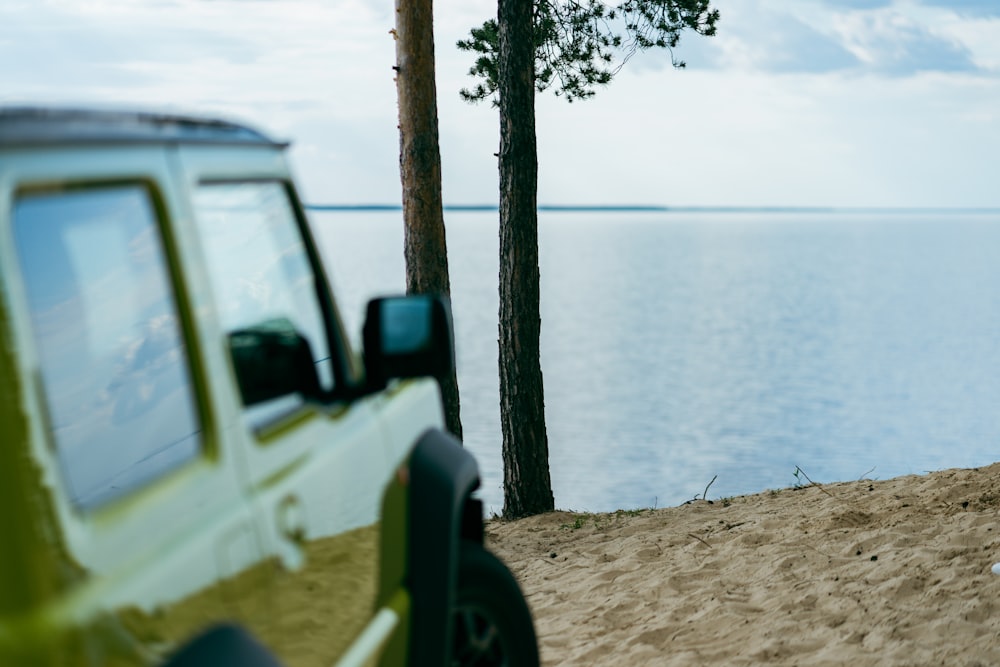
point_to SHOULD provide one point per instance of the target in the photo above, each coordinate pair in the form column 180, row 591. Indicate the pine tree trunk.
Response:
column 420, row 168
column 527, row 486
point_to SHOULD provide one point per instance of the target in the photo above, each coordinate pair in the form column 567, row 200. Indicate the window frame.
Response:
column 345, row 370
column 208, row 449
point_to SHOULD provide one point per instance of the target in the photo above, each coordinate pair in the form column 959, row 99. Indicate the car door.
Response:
column 315, row 465
column 151, row 512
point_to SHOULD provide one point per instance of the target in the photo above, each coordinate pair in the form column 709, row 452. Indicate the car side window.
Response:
column 262, row 281
column 113, row 363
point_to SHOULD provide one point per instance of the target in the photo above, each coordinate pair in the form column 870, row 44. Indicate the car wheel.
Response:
column 492, row 625
column 223, row 646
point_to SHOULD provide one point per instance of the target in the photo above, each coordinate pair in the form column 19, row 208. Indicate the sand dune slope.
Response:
column 893, row 572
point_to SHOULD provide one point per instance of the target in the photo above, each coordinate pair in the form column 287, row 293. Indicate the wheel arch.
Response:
column 442, row 512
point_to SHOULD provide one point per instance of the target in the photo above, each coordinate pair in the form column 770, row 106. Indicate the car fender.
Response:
column 443, row 476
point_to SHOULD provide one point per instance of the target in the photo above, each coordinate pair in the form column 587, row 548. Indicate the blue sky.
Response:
column 812, row 103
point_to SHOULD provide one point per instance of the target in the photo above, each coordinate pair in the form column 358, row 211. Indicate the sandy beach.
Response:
column 893, row 572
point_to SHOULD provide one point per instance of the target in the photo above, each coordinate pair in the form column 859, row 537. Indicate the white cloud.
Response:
column 967, row 7
column 890, row 42
column 981, row 36
column 812, row 103
column 867, row 37
column 191, row 52
column 757, row 139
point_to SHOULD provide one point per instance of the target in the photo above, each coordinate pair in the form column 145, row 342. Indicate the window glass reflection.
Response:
column 113, row 362
column 260, row 271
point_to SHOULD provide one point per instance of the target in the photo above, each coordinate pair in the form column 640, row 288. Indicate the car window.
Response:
column 261, row 275
column 113, row 363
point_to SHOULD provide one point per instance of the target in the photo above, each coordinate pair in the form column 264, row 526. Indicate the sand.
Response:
column 893, row 572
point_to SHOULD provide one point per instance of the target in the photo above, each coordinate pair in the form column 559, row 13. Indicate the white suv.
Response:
column 190, row 448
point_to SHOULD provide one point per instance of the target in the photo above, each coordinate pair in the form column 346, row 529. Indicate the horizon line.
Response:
column 654, row 208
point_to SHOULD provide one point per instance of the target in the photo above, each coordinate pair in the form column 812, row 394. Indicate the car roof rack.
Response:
column 33, row 126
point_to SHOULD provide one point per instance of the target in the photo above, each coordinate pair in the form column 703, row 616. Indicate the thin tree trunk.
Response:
column 527, row 486
column 420, row 168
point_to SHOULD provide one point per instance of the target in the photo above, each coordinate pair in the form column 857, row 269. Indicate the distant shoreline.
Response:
column 643, row 208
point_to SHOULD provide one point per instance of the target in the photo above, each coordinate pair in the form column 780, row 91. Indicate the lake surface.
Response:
column 678, row 347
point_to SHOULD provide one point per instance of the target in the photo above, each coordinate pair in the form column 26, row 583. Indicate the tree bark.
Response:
column 527, row 485
column 420, row 169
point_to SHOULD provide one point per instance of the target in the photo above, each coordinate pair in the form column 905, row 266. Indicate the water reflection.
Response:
column 679, row 347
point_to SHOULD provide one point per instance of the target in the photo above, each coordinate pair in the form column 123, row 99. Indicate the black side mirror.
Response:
column 272, row 359
column 408, row 336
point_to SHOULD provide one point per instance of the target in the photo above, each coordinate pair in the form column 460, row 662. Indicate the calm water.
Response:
column 677, row 347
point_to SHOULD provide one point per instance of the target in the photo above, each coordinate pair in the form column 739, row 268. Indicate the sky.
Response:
column 847, row 103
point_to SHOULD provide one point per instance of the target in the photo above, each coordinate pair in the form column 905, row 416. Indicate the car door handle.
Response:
column 290, row 521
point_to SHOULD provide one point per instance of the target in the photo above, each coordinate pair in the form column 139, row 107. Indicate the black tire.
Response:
column 223, row 646
column 492, row 625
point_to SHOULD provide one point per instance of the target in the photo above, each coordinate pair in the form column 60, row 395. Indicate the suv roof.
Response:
column 33, row 126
